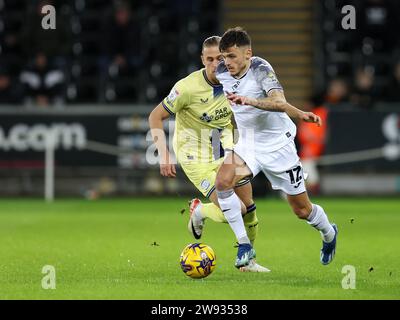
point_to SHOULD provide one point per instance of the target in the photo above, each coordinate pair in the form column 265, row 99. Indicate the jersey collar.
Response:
column 208, row 81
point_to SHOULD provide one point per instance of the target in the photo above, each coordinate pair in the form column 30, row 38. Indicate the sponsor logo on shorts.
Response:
column 297, row 185
column 205, row 184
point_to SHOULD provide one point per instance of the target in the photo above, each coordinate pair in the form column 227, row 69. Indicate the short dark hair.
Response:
column 234, row 37
column 212, row 41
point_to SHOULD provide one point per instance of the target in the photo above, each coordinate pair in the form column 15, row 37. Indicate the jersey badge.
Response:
column 173, row 95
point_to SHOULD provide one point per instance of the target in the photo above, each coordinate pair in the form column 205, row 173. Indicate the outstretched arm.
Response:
column 276, row 101
column 156, row 118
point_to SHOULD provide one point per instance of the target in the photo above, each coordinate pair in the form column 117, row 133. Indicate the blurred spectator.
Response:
column 392, row 91
column 43, row 84
column 312, row 142
column 123, row 40
column 364, row 93
column 10, row 43
column 337, row 92
column 55, row 44
column 9, row 92
column 10, row 46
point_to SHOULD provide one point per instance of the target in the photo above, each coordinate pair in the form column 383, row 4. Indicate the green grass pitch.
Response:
column 129, row 249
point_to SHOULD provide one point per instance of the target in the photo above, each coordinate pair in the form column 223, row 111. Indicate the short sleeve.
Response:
column 177, row 99
column 266, row 76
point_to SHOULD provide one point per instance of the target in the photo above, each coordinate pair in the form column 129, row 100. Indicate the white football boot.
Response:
column 253, row 266
column 196, row 222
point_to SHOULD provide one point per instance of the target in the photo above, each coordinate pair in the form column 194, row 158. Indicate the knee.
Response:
column 302, row 212
column 223, row 183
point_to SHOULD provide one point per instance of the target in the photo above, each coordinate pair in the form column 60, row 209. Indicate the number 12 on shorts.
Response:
column 294, row 175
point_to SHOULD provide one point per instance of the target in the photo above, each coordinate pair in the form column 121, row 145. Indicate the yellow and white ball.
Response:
column 197, row 260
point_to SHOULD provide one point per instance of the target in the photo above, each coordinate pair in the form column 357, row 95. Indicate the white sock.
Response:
column 231, row 208
column 319, row 221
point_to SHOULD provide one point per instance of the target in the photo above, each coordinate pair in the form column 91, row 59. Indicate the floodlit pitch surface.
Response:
column 129, row 249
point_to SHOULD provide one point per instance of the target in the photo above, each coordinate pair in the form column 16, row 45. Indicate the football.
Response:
column 197, row 260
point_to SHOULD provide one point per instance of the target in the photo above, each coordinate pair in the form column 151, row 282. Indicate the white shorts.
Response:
column 281, row 167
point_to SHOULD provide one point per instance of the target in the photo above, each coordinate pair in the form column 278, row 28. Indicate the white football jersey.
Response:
column 272, row 130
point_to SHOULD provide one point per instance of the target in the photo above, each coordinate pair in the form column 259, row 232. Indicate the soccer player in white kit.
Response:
column 266, row 142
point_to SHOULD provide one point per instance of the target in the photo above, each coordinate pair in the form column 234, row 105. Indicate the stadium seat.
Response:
column 122, row 91
column 10, row 26
column 90, row 22
column 81, row 6
column 12, row 5
column 339, row 69
column 13, row 63
column 83, row 91
column 208, row 5
column 163, row 25
column 208, row 23
column 156, row 91
column 11, row 22
column 87, row 45
column 86, row 66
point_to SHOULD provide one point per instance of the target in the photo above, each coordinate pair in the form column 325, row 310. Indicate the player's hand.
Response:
column 311, row 117
column 236, row 99
column 167, row 169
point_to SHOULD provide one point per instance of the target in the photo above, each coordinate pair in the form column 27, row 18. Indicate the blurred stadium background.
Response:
column 93, row 81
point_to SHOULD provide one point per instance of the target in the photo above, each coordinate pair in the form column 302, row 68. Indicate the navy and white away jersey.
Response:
column 272, row 130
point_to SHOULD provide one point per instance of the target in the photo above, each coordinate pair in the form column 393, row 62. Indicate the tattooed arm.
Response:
column 276, row 101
